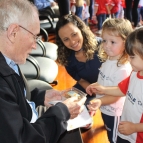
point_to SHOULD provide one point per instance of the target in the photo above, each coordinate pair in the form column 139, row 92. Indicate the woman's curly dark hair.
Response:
column 89, row 40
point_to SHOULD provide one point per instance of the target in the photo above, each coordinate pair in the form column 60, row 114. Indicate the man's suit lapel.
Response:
column 28, row 95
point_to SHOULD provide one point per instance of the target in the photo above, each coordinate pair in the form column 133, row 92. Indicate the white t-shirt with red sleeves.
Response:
column 111, row 75
column 133, row 107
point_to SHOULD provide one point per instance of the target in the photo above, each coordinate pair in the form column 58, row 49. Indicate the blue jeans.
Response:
column 91, row 9
column 79, row 11
column 115, row 15
column 101, row 18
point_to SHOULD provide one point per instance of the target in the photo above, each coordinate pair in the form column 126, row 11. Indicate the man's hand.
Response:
column 75, row 107
column 95, row 88
column 126, row 128
column 52, row 95
column 94, row 105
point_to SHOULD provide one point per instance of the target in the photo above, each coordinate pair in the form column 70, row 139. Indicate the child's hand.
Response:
column 94, row 105
column 95, row 88
column 126, row 128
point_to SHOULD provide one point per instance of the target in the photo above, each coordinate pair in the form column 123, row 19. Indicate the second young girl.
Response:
column 114, row 69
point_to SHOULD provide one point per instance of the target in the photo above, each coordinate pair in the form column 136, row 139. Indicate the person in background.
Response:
column 115, row 8
column 79, row 8
column 114, row 69
column 73, row 6
column 77, row 51
column 101, row 9
column 85, row 11
column 46, row 4
column 121, row 9
column 91, row 13
column 19, row 120
column 132, row 11
column 140, row 11
column 131, row 125
column 64, row 7
column 124, row 7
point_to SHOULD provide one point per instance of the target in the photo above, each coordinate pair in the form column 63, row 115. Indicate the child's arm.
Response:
column 99, row 89
column 95, row 8
column 83, row 83
column 108, row 9
column 105, row 100
column 128, row 128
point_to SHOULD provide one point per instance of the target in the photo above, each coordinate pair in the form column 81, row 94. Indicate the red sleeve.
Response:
column 96, row 1
column 123, row 85
column 107, row 1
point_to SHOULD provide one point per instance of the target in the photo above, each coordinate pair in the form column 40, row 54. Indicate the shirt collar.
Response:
column 8, row 60
column 11, row 64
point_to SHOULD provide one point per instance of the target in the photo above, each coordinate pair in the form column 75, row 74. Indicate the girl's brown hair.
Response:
column 134, row 43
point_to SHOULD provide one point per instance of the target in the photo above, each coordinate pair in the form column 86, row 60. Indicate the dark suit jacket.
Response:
column 15, row 112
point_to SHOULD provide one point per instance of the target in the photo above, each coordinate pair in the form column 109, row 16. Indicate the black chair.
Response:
column 47, row 23
column 50, row 12
column 40, row 68
column 35, row 83
column 44, row 34
column 45, row 49
column 47, row 19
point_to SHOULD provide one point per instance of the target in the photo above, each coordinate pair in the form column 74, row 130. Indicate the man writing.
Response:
column 19, row 122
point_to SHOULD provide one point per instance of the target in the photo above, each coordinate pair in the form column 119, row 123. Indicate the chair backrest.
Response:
column 40, row 50
column 31, row 68
column 44, row 34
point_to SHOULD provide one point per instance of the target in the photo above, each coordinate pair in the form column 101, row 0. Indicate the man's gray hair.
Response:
column 16, row 11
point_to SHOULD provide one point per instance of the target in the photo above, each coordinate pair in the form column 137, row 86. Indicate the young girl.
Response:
column 131, row 125
column 114, row 69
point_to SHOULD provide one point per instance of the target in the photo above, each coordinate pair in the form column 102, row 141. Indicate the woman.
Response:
column 77, row 51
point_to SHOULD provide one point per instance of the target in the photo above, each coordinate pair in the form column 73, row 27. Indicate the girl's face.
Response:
column 71, row 37
column 112, row 45
column 136, row 63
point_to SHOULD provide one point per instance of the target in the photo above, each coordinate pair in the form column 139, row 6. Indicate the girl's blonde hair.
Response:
column 116, row 27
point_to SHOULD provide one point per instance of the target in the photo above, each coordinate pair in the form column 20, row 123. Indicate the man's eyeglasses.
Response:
column 36, row 38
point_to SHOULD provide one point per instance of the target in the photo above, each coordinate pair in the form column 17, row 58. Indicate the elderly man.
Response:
column 19, row 122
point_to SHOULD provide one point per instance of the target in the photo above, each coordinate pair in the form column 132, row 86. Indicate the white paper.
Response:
column 81, row 120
